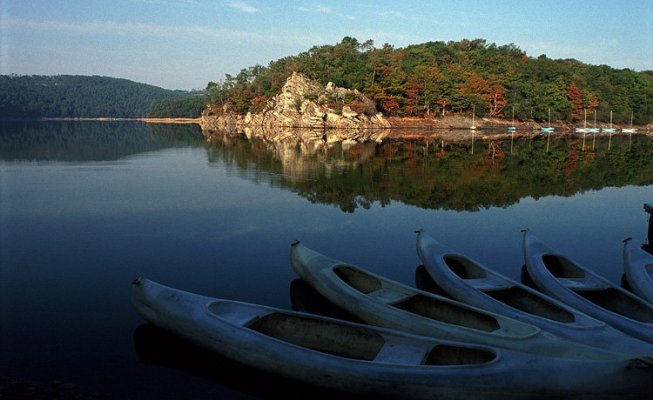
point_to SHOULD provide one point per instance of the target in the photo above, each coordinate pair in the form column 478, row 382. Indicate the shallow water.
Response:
column 88, row 207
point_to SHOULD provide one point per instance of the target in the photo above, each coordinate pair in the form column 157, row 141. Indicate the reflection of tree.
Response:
column 177, row 134
column 425, row 175
column 89, row 140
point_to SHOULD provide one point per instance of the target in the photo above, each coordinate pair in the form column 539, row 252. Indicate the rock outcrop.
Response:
column 305, row 104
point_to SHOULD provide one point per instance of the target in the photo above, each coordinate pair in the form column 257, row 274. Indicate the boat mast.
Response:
column 549, row 117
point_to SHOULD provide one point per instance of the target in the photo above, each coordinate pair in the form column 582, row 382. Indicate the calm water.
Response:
column 87, row 207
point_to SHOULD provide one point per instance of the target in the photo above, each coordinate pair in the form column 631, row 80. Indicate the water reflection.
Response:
column 434, row 174
column 429, row 171
column 78, row 141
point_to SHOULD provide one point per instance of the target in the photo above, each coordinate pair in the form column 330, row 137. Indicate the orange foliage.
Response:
column 575, row 95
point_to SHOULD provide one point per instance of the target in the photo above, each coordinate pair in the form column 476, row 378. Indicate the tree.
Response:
column 452, row 77
column 576, row 97
column 431, row 81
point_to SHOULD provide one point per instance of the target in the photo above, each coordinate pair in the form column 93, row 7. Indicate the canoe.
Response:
column 472, row 283
column 638, row 269
column 569, row 282
column 380, row 301
column 358, row 358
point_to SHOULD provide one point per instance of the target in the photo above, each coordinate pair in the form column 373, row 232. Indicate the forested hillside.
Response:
column 178, row 107
column 438, row 78
column 77, row 96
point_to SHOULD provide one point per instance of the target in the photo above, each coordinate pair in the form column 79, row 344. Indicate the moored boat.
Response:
column 638, row 270
column 369, row 360
column 472, row 283
column 380, row 301
column 569, row 282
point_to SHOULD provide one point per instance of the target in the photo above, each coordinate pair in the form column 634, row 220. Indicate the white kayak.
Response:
column 638, row 269
column 380, row 301
column 569, row 282
column 472, row 283
column 368, row 360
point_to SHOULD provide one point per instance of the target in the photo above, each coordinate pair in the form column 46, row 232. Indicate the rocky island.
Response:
column 304, row 108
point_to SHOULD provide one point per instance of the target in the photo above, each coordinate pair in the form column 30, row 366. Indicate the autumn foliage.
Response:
column 438, row 78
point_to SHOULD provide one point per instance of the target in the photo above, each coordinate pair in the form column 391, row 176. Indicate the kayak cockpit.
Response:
column 415, row 303
column 360, row 343
column 464, row 268
column 560, row 267
column 571, row 275
column 321, row 335
column 370, row 285
column 450, row 313
column 526, row 301
column 474, row 275
column 620, row 303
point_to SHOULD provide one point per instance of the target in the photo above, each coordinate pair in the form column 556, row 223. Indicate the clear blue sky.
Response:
column 184, row 44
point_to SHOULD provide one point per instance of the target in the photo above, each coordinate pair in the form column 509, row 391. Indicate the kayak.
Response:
column 569, row 282
column 368, row 360
column 638, row 269
column 380, row 301
column 472, row 283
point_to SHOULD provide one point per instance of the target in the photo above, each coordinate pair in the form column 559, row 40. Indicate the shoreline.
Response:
column 412, row 127
column 112, row 119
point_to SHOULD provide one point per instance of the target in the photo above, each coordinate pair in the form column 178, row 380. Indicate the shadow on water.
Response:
column 155, row 346
column 423, row 281
column 305, row 298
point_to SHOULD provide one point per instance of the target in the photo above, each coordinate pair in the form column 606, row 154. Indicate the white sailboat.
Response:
column 610, row 129
column 631, row 129
column 584, row 129
column 512, row 128
column 548, row 129
column 594, row 129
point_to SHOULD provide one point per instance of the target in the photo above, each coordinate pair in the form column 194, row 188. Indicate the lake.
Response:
column 86, row 207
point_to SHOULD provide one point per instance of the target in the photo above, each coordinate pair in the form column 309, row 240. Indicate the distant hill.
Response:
column 441, row 78
column 71, row 96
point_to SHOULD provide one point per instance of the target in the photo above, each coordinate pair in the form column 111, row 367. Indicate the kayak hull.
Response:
column 373, row 361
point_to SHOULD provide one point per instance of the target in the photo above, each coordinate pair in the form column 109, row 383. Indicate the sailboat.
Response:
column 473, row 127
column 549, row 129
column 631, row 129
column 594, row 129
column 512, row 128
column 584, row 129
column 610, row 129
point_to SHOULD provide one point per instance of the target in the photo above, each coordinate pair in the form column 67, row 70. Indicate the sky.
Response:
column 184, row 44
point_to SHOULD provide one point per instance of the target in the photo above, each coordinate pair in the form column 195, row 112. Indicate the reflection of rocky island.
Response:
column 303, row 103
column 424, row 174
